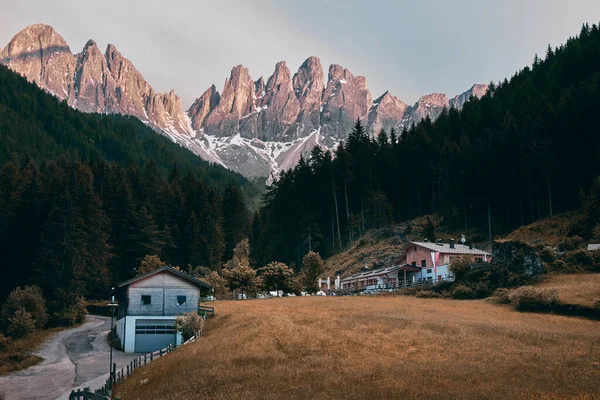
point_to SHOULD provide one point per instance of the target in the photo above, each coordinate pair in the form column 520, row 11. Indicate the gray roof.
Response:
column 445, row 248
column 171, row 270
column 593, row 247
column 372, row 273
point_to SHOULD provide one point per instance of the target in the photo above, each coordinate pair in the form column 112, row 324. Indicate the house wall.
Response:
column 121, row 331
column 128, row 331
column 415, row 254
column 434, row 273
column 163, row 288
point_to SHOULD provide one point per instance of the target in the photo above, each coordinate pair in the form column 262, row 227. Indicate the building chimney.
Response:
column 451, row 243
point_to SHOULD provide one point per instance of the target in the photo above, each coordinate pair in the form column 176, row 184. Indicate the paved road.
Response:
column 73, row 358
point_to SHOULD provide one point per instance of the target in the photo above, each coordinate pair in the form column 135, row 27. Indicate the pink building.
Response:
column 432, row 259
column 424, row 261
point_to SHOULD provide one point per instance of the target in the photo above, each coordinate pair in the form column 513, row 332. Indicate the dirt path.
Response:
column 72, row 358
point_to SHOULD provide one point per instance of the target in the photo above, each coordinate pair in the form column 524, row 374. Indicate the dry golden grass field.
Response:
column 387, row 347
column 581, row 289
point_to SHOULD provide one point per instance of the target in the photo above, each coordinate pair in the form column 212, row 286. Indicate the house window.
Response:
column 146, row 300
column 423, row 263
column 429, row 271
column 414, row 263
column 181, row 300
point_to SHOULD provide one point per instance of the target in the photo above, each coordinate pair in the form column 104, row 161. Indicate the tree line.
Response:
column 526, row 150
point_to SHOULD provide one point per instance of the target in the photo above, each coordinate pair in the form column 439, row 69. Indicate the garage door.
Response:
column 152, row 335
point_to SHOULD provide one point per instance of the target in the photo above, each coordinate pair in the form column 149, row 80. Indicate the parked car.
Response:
column 291, row 295
column 208, row 298
column 320, row 293
column 242, row 296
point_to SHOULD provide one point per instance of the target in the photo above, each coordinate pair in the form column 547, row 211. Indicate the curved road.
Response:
column 73, row 358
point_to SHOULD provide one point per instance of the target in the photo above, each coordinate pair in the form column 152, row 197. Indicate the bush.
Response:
column 570, row 243
column 501, row 295
column 20, row 324
column 460, row 267
column 462, row 292
column 547, row 254
column 189, row 324
column 481, row 290
column 583, row 259
column 530, row 298
column 71, row 314
column 30, row 299
column 427, row 294
column 3, row 342
column 409, row 291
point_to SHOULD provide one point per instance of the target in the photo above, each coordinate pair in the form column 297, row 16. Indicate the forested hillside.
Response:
column 84, row 197
column 527, row 149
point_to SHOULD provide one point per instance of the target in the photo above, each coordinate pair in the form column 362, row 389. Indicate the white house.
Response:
column 149, row 305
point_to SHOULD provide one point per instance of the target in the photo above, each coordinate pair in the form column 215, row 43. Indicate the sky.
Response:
column 410, row 48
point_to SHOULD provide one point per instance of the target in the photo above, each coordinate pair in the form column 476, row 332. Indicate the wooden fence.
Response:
column 119, row 376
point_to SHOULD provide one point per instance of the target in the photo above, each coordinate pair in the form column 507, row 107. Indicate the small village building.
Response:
column 149, row 305
column 424, row 261
column 593, row 247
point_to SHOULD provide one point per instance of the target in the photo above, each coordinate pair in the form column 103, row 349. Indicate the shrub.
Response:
column 71, row 314
column 501, row 295
column 3, row 342
column 189, row 324
column 530, row 298
column 560, row 266
column 20, row 324
column 428, row 294
column 30, row 299
column 462, row 292
column 443, row 286
column 460, row 267
column 481, row 290
column 583, row 259
column 570, row 243
column 409, row 291
column 547, row 254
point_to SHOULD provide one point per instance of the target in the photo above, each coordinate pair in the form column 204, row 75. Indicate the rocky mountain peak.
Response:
column 237, row 100
column 385, row 113
column 202, row 106
column 345, row 99
column 309, row 83
column 477, row 90
column 281, row 76
column 42, row 56
column 259, row 88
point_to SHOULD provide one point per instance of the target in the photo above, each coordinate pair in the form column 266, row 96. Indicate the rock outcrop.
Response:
column 42, row 56
column 478, row 91
column 386, row 113
column 345, row 100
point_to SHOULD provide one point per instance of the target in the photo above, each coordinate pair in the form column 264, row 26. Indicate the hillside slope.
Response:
column 36, row 126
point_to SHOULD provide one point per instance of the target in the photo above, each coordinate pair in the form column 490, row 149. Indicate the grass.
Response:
column 389, row 347
column 579, row 289
column 18, row 354
column 549, row 231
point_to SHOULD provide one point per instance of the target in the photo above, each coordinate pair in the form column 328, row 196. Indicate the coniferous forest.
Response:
column 528, row 149
column 84, row 197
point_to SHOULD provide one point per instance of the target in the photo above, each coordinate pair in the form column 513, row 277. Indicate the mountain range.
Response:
column 255, row 127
